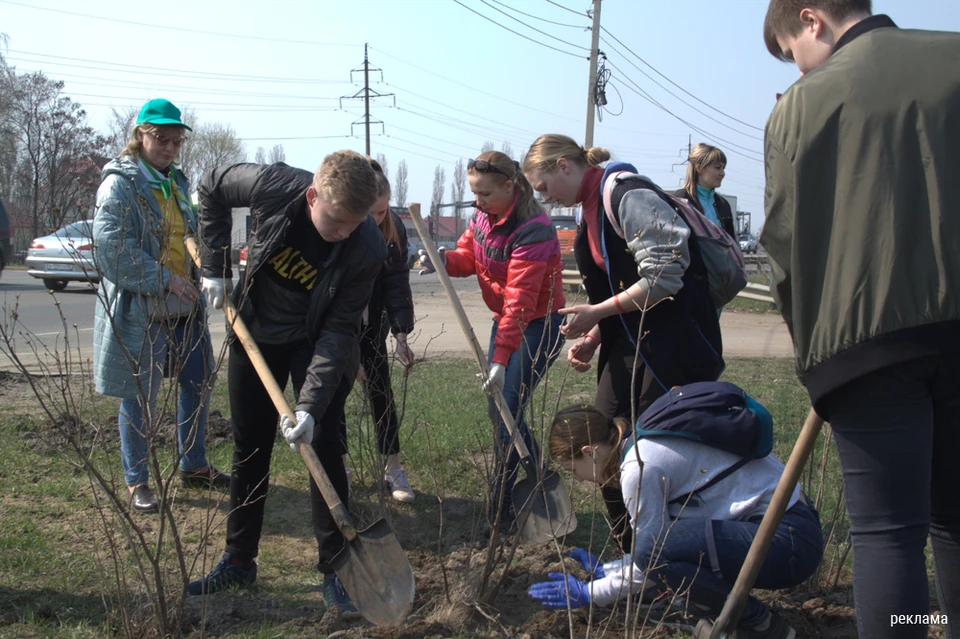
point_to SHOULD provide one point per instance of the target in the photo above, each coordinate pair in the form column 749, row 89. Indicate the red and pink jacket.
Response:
column 518, row 265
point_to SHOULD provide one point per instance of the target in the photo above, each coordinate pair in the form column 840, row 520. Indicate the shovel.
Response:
column 726, row 623
column 372, row 565
column 545, row 511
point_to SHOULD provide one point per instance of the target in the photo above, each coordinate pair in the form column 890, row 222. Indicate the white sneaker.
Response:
column 398, row 485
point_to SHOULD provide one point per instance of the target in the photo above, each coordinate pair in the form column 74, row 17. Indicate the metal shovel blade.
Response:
column 544, row 508
column 376, row 574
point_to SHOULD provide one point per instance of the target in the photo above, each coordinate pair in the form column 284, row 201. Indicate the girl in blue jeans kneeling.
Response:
column 697, row 546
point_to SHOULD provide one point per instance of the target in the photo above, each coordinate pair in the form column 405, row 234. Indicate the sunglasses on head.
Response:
column 484, row 167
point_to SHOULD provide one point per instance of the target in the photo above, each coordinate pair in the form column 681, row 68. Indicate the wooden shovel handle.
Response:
column 497, row 396
column 309, row 456
column 737, row 599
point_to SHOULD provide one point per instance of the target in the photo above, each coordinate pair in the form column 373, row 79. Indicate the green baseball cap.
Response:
column 160, row 112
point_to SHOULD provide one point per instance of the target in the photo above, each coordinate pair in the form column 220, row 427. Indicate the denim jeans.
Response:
column 539, row 348
column 703, row 557
column 897, row 432
column 182, row 344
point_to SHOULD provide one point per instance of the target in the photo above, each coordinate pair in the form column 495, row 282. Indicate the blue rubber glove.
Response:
column 589, row 561
column 561, row 594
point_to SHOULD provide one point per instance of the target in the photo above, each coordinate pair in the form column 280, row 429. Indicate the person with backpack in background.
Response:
column 314, row 256
column 512, row 247
column 657, row 277
column 695, row 507
column 863, row 233
column 705, row 172
column 391, row 308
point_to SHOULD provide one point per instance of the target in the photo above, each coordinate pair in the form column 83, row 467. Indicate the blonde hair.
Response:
column 346, row 180
column 134, row 145
column 509, row 170
column 387, row 227
column 547, row 149
column 701, row 156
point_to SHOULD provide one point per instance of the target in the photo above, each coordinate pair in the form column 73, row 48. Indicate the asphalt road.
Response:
column 38, row 323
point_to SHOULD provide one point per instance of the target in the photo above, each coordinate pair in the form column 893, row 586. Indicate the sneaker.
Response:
column 399, row 486
column 229, row 574
column 208, row 477
column 777, row 628
column 335, row 595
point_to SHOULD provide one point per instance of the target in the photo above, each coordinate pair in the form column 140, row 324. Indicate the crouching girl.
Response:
column 691, row 533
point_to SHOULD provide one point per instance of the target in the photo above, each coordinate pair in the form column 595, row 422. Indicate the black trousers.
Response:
column 255, row 422
column 376, row 365
column 897, row 433
column 616, row 392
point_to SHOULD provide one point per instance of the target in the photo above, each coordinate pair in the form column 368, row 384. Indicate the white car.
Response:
column 64, row 256
column 748, row 244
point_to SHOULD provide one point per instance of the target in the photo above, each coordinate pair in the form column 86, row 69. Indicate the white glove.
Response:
column 428, row 266
column 294, row 432
column 494, row 380
column 216, row 289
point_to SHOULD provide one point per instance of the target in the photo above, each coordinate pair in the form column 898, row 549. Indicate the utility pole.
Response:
column 366, row 93
column 591, row 85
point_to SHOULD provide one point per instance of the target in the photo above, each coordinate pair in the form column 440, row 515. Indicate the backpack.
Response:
column 717, row 414
column 726, row 275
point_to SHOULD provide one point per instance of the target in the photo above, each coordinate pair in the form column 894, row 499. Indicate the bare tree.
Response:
column 507, row 150
column 458, row 187
column 261, row 156
column 439, row 178
column 400, row 185
column 118, row 130
column 488, row 146
column 277, row 154
column 382, row 161
column 213, row 144
column 56, row 153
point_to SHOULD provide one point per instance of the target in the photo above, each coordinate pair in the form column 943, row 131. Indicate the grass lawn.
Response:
column 56, row 573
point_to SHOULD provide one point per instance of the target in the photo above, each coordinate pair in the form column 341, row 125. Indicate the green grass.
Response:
column 49, row 534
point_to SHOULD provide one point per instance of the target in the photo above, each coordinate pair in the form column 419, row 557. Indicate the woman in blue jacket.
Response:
column 149, row 319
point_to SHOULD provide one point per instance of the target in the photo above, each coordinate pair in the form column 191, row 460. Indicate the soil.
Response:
column 447, row 577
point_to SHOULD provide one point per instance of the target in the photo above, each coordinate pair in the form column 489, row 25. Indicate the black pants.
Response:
column 897, row 432
column 615, row 396
column 255, row 422
column 376, row 365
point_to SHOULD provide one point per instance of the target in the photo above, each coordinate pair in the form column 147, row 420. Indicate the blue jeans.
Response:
column 704, row 557
column 184, row 342
column 539, row 348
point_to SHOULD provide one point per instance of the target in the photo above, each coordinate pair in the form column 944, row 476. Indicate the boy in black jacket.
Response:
column 312, row 259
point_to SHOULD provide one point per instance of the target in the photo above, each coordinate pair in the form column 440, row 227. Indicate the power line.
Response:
column 182, row 29
column 556, row 4
column 311, row 137
column 643, row 94
column 283, row 107
column 100, row 82
column 530, row 15
column 481, row 133
column 605, row 30
column 542, row 44
column 682, row 101
column 181, row 73
column 553, row 37
column 482, row 92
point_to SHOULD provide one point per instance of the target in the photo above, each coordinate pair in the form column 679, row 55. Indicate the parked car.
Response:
column 6, row 231
column 64, row 256
column 566, row 226
column 243, row 260
column 748, row 244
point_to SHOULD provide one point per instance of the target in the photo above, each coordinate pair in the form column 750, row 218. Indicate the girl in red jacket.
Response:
column 512, row 247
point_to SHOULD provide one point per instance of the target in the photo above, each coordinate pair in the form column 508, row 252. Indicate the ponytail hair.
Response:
column 547, row 149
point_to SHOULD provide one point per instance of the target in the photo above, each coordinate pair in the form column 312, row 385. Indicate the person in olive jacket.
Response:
column 863, row 232
column 312, row 259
